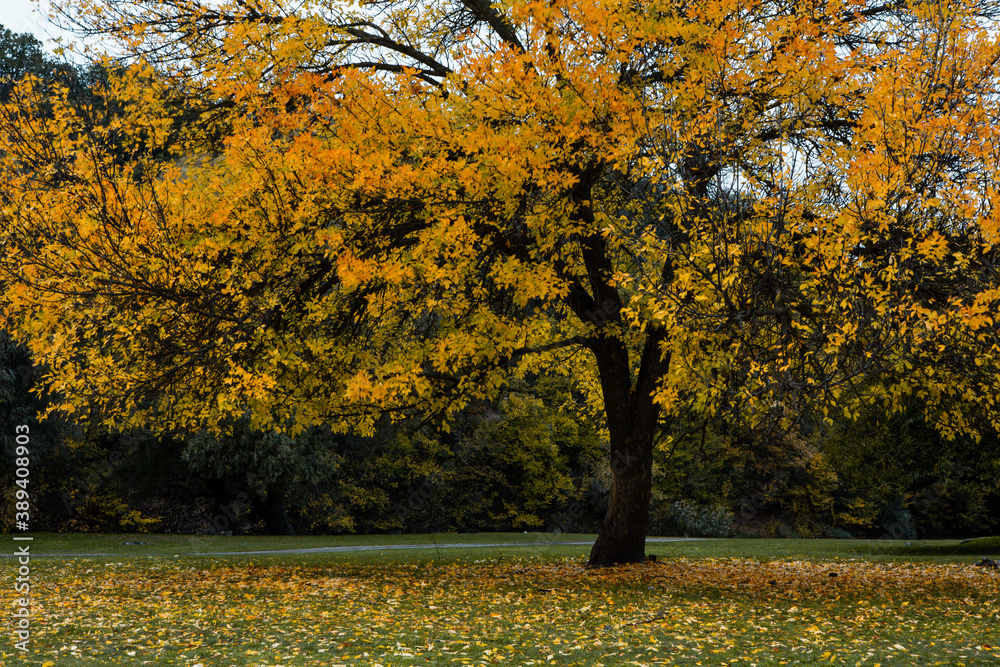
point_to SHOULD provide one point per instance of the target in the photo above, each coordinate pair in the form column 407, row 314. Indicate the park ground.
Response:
column 526, row 600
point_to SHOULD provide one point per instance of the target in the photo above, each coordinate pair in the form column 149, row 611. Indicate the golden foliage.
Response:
column 727, row 204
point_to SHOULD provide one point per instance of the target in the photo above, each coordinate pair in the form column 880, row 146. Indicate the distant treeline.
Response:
column 531, row 461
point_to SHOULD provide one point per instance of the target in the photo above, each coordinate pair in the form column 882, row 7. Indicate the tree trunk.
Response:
column 632, row 422
column 622, row 538
column 632, row 414
column 274, row 511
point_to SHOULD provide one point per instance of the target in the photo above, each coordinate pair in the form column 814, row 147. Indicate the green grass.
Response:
column 160, row 545
column 932, row 551
column 711, row 602
column 518, row 544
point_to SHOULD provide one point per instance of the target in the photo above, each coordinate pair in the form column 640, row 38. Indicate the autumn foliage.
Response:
column 316, row 212
column 679, row 612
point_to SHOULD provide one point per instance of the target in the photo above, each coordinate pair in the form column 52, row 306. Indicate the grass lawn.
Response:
column 711, row 602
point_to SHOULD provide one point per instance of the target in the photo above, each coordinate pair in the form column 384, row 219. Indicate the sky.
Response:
column 30, row 16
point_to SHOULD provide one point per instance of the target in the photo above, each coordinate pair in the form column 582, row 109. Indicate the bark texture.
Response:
column 632, row 423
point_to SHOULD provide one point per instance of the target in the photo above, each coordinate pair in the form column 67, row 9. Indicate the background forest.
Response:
column 531, row 461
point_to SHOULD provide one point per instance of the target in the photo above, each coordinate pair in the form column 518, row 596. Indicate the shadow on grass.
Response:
column 982, row 547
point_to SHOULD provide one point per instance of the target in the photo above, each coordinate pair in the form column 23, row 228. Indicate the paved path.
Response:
column 360, row 547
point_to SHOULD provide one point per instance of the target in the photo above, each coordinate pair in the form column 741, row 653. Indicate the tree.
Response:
column 914, row 482
column 20, row 54
column 707, row 209
column 266, row 463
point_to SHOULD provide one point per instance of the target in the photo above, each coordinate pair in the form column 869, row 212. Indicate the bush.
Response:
column 107, row 512
column 909, row 482
column 693, row 520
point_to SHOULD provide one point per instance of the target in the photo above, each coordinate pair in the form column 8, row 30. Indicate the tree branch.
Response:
column 484, row 11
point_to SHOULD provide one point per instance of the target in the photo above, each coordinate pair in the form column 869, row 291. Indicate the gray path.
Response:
column 360, row 547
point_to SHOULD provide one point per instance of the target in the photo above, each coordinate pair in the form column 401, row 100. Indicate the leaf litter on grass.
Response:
column 679, row 611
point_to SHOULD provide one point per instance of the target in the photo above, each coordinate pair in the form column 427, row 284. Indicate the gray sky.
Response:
column 28, row 16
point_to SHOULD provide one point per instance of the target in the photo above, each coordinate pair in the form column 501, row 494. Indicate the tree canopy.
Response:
column 716, row 208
